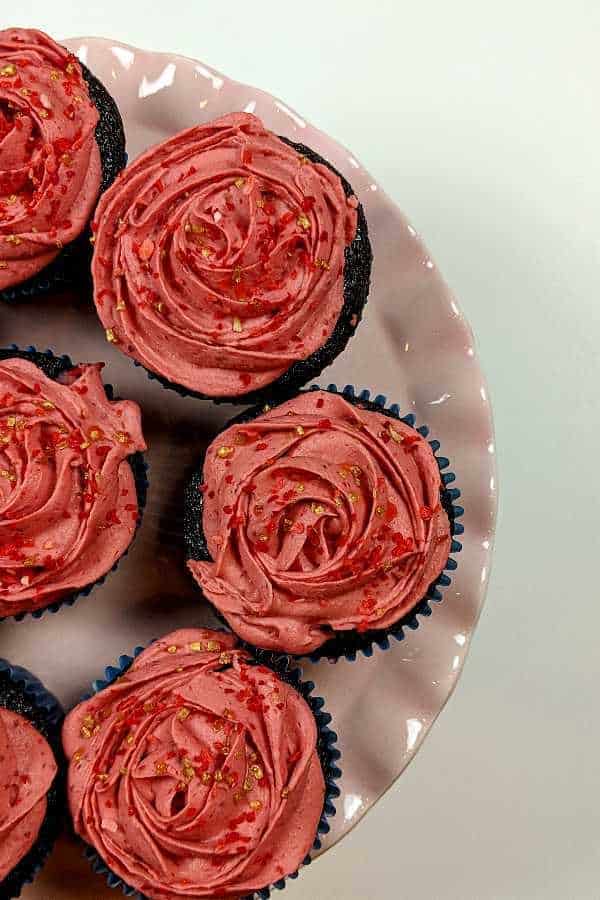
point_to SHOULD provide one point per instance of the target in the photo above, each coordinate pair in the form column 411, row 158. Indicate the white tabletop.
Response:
column 481, row 121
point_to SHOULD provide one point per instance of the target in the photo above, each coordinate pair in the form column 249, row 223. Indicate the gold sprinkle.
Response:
column 122, row 437
column 95, row 435
column 321, row 263
column 260, row 203
column 300, row 488
column 266, row 408
column 183, row 713
column 263, row 538
column 237, row 797
column 111, row 336
column 252, row 756
column 213, row 646
column 161, row 768
column 149, row 706
column 124, row 771
column 287, row 524
column 172, row 649
column 303, row 160
column 224, row 452
column 120, row 306
column 188, row 770
column 248, row 784
column 225, row 659
column 237, row 324
column 3, row 265
column 352, row 497
column 197, row 646
column 54, row 75
column 77, row 756
column 13, row 239
column 395, row 435
column 129, row 740
column 379, row 510
column 206, row 252
column 255, row 805
column 237, row 275
column 299, row 430
column 69, row 68
column 43, row 113
column 285, row 793
column 318, row 509
column 206, row 778
column 25, row 92
column 338, row 501
column 11, row 421
column 103, row 777
column 257, row 772
column 8, row 71
column 12, row 198
column 240, row 182
column 218, row 775
column 304, row 222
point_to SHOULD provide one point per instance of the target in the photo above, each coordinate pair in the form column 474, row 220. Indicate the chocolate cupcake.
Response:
column 30, row 801
column 61, row 144
column 196, row 771
column 231, row 263
column 320, row 526
column 72, row 480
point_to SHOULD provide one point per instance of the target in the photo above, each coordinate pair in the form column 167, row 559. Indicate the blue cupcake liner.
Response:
column 329, row 755
column 23, row 693
column 348, row 644
column 53, row 366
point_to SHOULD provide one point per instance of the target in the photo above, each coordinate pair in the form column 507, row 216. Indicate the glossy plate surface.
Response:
column 414, row 346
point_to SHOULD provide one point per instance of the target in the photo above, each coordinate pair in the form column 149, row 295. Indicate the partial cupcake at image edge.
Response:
column 31, row 801
column 197, row 769
column 231, row 263
column 62, row 144
column 324, row 525
column 73, row 480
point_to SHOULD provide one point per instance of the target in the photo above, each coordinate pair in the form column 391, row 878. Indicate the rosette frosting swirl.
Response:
column 68, row 504
column 50, row 167
column 319, row 516
column 196, row 773
column 219, row 256
column 26, row 775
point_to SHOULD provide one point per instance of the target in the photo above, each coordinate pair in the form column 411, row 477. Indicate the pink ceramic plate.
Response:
column 414, row 346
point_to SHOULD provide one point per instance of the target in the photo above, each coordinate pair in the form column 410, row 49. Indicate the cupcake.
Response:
column 319, row 525
column 69, row 497
column 61, row 144
column 199, row 772
column 231, row 263
column 30, row 807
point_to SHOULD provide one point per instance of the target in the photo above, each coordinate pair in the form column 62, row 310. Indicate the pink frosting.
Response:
column 219, row 256
column 320, row 516
column 50, row 167
column 68, row 504
column 27, row 770
column 195, row 774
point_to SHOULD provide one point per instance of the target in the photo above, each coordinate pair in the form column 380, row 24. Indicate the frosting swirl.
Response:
column 68, row 504
column 50, row 167
column 320, row 516
column 219, row 256
column 196, row 773
column 26, row 775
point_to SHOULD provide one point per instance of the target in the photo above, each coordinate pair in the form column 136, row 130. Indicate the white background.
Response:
column 481, row 121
